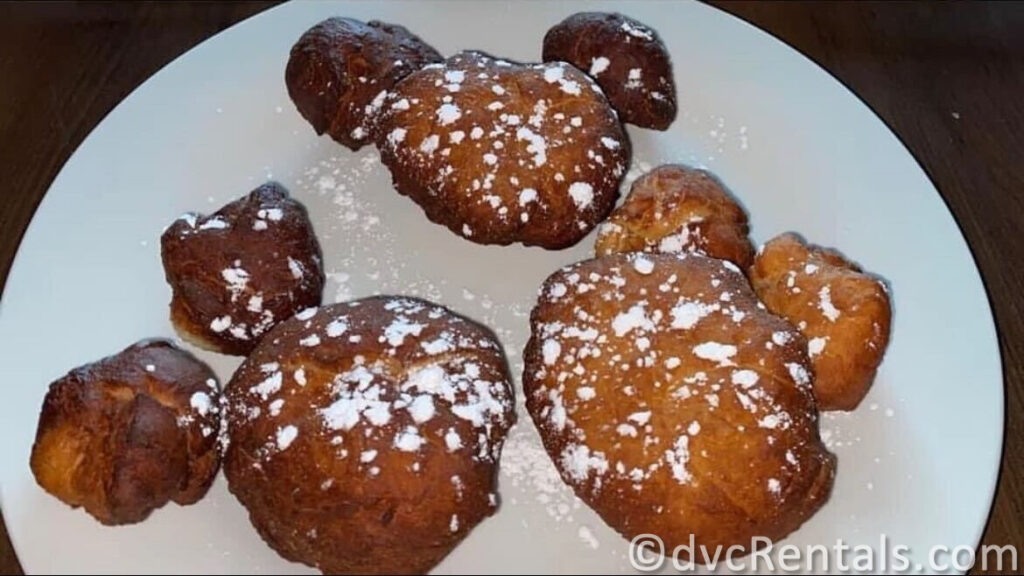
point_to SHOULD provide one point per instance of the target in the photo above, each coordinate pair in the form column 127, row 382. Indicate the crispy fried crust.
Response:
column 123, row 436
column 673, row 403
column 678, row 209
column 340, row 69
column 365, row 437
column 501, row 152
column 844, row 313
column 626, row 58
column 236, row 273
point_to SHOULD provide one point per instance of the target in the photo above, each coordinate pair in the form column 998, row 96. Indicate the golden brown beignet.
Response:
column 236, row 273
column 340, row 70
column 501, row 152
column 627, row 59
column 844, row 314
column 124, row 435
column 673, row 403
column 365, row 436
column 678, row 209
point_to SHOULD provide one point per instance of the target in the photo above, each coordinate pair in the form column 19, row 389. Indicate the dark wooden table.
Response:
column 947, row 78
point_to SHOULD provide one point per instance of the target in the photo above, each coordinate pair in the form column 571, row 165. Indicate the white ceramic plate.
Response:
column 917, row 462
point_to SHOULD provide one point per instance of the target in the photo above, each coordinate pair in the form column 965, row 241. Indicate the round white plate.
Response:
column 917, row 461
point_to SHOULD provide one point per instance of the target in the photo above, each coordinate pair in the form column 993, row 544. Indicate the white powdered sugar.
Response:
column 396, row 136
column 430, row 143
column 221, row 324
column 237, row 279
column 336, row 328
column 200, row 402
column 409, row 440
column 255, row 303
column 353, row 403
column 715, row 352
column 215, row 223
column 687, row 313
column 825, row 304
column 633, row 81
column 268, row 387
column 634, row 318
column 579, row 462
column 553, row 74
column 582, row 194
column 422, row 408
column 799, row 374
column 401, row 327
column 744, row 378
column 643, row 265
column 454, row 76
column 674, row 243
column 641, row 418
column 536, row 145
column 816, row 346
column 437, row 346
column 598, row 65
column 296, row 268
column 532, row 474
column 551, row 349
column 272, row 214
column 285, row 436
column 526, row 196
column 637, row 31
column 678, row 457
column 452, row 440
column 448, row 114
column 588, row 538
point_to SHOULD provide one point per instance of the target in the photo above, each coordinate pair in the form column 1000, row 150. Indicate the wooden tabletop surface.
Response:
column 947, row 78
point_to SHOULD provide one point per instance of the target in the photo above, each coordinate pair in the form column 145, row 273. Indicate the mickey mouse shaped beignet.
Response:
column 501, row 152
column 123, row 436
column 673, row 403
column 236, row 273
column 844, row 314
column 365, row 436
column 340, row 70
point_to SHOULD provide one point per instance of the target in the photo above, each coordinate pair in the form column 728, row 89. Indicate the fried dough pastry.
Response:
column 365, row 436
column 678, row 209
column 844, row 313
column 341, row 69
column 236, row 273
column 501, row 152
column 673, row 403
column 627, row 59
column 124, row 435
